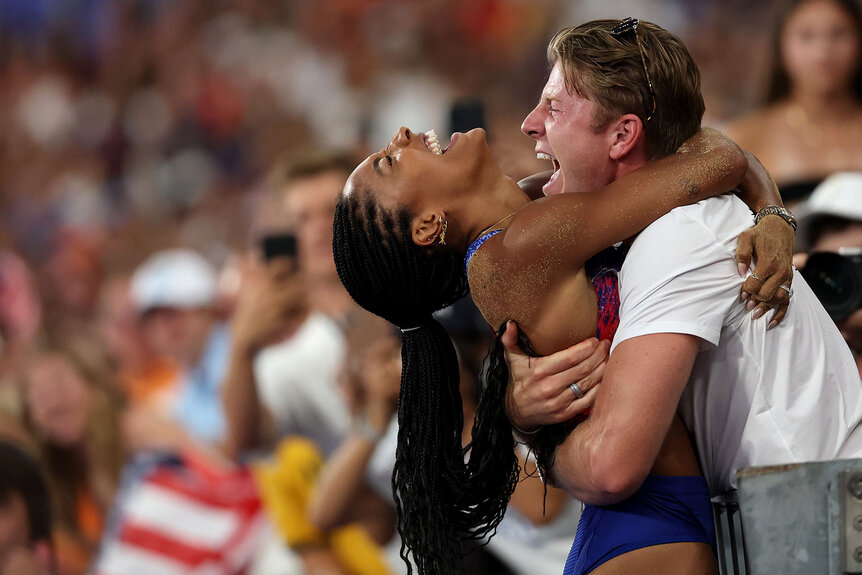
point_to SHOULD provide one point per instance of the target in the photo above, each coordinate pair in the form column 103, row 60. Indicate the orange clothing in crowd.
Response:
column 154, row 381
column 75, row 552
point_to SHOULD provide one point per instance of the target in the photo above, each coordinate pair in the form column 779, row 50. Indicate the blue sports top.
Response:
column 477, row 243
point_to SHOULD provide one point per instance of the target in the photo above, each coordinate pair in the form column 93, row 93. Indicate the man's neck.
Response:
column 626, row 166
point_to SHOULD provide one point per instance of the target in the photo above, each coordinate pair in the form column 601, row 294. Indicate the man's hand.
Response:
column 272, row 300
column 539, row 392
column 606, row 458
column 770, row 242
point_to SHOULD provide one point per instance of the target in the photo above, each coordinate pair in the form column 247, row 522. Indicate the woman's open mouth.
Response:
column 432, row 143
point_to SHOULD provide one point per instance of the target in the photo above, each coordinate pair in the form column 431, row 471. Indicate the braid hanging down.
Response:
column 496, row 379
column 444, row 493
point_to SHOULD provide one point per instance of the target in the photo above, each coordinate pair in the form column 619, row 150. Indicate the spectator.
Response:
column 25, row 515
column 831, row 221
column 354, row 485
column 288, row 347
column 810, row 124
column 72, row 409
column 143, row 375
column 308, row 187
column 20, row 318
column 85, row 436
column 174, row 292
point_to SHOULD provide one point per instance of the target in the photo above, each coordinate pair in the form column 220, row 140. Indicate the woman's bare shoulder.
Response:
column 508, row 271
column 489, row 272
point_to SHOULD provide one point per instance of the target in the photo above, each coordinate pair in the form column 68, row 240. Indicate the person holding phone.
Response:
column 287, row 344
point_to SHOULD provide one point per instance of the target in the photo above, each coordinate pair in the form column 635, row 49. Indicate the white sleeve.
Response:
column 679, row 277
column 297, row 383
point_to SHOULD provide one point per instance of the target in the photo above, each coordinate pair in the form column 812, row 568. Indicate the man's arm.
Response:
column 341, row 494
column 272, row 302
column 606, row 458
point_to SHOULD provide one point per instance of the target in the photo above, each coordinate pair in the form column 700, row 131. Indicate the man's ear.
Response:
column 627, row 133
column 427, row 227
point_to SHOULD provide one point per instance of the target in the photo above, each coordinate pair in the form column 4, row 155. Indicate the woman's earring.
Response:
column 442, row 236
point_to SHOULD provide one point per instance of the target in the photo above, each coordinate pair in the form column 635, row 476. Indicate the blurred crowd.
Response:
column 184, row 383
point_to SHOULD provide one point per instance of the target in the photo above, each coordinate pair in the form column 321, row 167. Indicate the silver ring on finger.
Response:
column 788, row 289
column 577, row 390
column 755, row 276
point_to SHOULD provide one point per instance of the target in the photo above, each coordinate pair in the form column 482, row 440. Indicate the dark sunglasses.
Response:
column 623, row 27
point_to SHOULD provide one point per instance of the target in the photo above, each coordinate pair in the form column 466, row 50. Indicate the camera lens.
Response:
column 837, row 282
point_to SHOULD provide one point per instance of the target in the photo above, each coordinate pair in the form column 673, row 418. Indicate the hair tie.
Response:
column 409, row 329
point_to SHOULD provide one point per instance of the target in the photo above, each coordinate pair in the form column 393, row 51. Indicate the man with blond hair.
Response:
column 751, row 392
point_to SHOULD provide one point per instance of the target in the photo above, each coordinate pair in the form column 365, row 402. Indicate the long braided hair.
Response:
column 544, row 443
column 445, row 494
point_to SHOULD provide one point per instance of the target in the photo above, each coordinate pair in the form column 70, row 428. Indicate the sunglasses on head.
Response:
column 620, row 29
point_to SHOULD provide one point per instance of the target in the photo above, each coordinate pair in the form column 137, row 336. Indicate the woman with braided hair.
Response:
column 407, row 218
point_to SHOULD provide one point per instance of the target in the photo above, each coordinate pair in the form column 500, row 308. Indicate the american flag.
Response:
column 182, row 515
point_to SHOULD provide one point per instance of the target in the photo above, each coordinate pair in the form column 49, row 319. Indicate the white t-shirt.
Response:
column 297, row 380
column 754, row 397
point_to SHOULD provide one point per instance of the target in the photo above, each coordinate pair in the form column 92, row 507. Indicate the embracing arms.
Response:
column 707, row 165
column 606, row 458
column 539, row 392
column 771, row 241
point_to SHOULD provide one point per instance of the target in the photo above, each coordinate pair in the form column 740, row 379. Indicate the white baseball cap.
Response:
column 839, row 195
column 177, row 278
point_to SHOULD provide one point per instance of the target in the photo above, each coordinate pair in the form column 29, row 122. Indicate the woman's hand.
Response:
column 539, row 391
column 770, row 243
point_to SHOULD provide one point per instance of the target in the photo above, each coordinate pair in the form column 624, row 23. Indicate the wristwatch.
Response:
column 783, row 213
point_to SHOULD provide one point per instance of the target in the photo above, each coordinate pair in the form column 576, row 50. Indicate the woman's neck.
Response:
column 485, row 212
column 819, row 106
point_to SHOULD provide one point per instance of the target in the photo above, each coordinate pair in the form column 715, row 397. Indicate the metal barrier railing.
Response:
column 800, row 519
column 728, row 534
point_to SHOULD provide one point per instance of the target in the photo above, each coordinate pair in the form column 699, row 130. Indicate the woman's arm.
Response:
column 532, row 185
column 708, row 164
column 770, row 243
column 757, row 188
